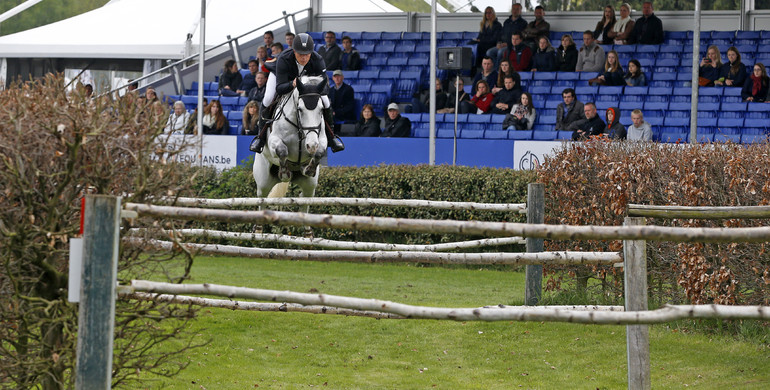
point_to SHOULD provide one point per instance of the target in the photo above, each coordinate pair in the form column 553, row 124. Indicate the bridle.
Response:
column 298, row 125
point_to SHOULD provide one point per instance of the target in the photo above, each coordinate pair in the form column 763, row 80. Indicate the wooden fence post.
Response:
column 535, row 214
column 96, row 314
column 637, row 336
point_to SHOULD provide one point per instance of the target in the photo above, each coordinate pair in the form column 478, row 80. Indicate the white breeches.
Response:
column 270, row 93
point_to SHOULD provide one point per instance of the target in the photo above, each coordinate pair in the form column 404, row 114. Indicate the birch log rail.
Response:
column 699, row 212
column 489, row 313
column 493, row 229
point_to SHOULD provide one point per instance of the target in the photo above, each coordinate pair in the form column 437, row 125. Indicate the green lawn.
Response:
column 290, row 350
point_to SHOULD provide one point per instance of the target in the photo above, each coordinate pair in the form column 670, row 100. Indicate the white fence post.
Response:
column 637, row 336
column 96, row 314
column 535, row 214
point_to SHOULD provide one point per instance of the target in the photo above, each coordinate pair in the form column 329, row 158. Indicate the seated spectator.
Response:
column 603, row 28
column 368, row 124
column 330, row 51
column 635, row 77
column 150, row 95
column 249, row 81
column 489, row 33
column 623, row 26
column 503, row 71
column 342, row 98
column 648, row 30
column 350, row 58
column 89, row 90
column 214, row 121
column 289, row 39
column 569, row 114
column 614, row 130
column 733, row 73
column 544, row 59
column 192, row 124
column 250, row 118
column 487, row 74
column 178, row 119
column 262, row 58
column 258, row 92
column 591, row 55
column 536, row 28
column 395, row 124
column 755, row 88
column 591, row 127
column 519, row 54
column 505, row 98
column 710, row 67
column 132, row 86
column 613, row 72
column 640, row 130
column 515, row 23
column 522, row 115
column 276, row 49
column 481, row 102
column 566, row 54
column 230, row 79
column 453, row 97
column 421, row 103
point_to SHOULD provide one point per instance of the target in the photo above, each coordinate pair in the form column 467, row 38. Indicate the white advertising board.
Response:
column 218, row 151
column 528, row 155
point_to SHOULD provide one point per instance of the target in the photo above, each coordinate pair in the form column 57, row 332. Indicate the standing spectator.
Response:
column 262, row 58
column 487, row 74
column 648, row 30
column 515, row 23
column 615, row 130
column 635, row 77
column 603, row 28
column 422, row 103
column 536, row 28
column 520, row 54
column 250, row 119
column 368, row 124
column 395, row 124
column 613, row 72
column 230, row 79
column 505, row 98
column 591, row 55
column 178, row 119
column 462, row 97
column 503, row 71
column 214, row 121
column 350, row 58
column 755, row 88
column 522, row 115
column 489, row 33
column 268, row 41
column 342, row 100
column 569, row 113
column 640, row 130
column 289, row 39
column 623, row 27
column 544, row 59
column 591, row 127
column 481, row 102
column 249, row 81
column 710, row 67
column 733, row 73
column 566, row 54
column 258, row 92
column 330, row 51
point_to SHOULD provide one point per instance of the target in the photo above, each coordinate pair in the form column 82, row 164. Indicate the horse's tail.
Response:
column 279, row 190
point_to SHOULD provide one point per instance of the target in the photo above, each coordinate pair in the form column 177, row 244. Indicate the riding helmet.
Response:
column 303, row 44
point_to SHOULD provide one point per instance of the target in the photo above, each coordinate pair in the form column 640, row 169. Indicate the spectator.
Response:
column 566, row 54
column 536, row 28
column 132, row 85
column 614, row 129
column 462, row 97
column 250, row 118
column 515, row 23
column 150, row 95
column 89, row 91
column 481, row 102
column 603, row 28
column 490, row 31
column 544, row 59
column 289, row 39
column 505, row 70
column 710, row 67
column 422, row 102
column 733, row 73
column 635, row 77
column 755, row 88
column 520, row 54
column 591, row 127
column 276, row 49
column 342, row 100
column 395, row 124
column 178, row 119
column 613, row 72
column 258, row 92
column 487, row 74
column 368, row 125
column 623, row 27
column 262, row 58
column 249, row 81
column 640, row 130
column 214, row 121
column 522, row 115
column 591, row 55
column 506, row 97
column 230, row 79
column 569, row 114
column 268, row 38
column 192, row 124
column 648, row 30
column 350, row 58
column 330, row 52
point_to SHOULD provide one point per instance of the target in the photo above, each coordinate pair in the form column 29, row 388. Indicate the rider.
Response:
column 300, row 59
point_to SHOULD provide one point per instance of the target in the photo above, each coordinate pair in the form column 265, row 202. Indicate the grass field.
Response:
column 292, row 350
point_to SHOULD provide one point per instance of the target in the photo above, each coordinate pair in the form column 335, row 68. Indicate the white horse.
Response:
column 296, row 142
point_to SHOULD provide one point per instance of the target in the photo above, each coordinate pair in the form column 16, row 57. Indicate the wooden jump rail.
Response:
column 699, row 212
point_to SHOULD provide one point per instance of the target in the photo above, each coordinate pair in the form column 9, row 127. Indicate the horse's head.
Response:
column 309, row 110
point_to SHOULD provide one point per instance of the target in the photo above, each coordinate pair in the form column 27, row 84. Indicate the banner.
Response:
column 218, row 151
column 528, row 155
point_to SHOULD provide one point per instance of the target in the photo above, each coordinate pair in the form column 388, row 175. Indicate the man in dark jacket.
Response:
column 342, row 99
column 648, row 29
column 569, row 114
column 592, row 126
column 258, row 92
column 350, row 58
column 330, row 51
column 515, row 23
column 395, row 124
column 506, row 97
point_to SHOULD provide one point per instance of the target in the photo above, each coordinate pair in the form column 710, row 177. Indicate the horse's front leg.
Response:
column 311, row 168
column 281, row 151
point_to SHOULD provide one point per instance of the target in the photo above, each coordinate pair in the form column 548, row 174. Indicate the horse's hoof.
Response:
column 284, row 174
column 309, row 232
column 309, row 171
column 257, row 229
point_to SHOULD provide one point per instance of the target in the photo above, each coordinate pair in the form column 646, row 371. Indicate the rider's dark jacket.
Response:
column 286, row 70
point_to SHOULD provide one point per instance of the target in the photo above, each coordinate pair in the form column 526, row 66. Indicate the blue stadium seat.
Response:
column 635, row 91
column 568, row 76
column 564, row 135
column 705, row 106
column 679, row 137
column 711, row 91
column 753, row 138
column 707, row 122
column 497, row 119
column 552, row 102
column 413, row 117
column 478, row 118
column 391, row 35
column 544, row 135
column 673, row 121
column 388, row 75
column 365, row 48
column 667, row 62
column 235, row 116
column 472, row 133
column 722, row 137
column 704, row 138
column 521, row 135
column 496, row 134
column 190, row 102
column 741, row 107
column 229, row 102
column 755, row 122
column 729, row 122
column 371, row 35
column 409, row 35
column 610, row 90
column 385, row 47
column 368, row 74
column 660, row 83
column 592, row 90
column 744, row 49
column 661, row 104
column 421, row 131
column 631, row 102
column 397, row 62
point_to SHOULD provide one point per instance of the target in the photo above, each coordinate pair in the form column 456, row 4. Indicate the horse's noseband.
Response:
column 310, row 100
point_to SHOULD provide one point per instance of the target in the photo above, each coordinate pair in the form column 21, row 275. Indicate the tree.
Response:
column 47, row 12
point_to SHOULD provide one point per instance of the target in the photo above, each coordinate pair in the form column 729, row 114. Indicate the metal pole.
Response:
column 535, row 214
column 201, row 60
column 432, row 123
column 695, row 74
column 637, row 336
column 457, row 99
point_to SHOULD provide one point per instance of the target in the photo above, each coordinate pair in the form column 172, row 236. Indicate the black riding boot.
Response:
column 334, row 142
column 258, row 143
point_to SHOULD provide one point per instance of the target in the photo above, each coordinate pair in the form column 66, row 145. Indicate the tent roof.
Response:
column 157, row 29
